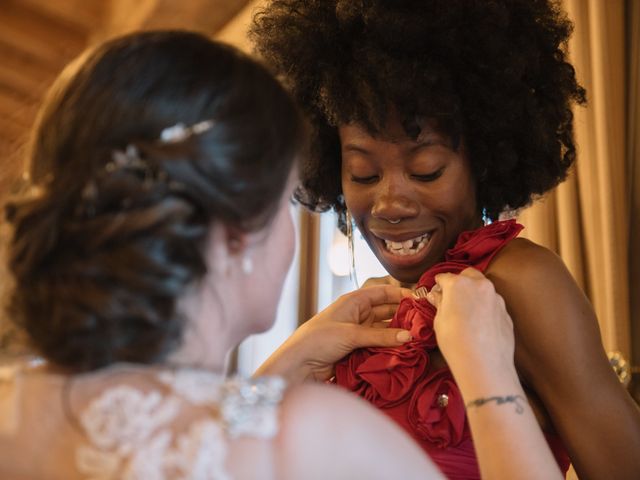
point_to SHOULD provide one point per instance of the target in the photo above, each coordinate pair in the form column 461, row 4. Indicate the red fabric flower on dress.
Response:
column 474, row 248
column 416, row 315
column 383, row 376
column 346, row 371
column 398, row 378
column 390, row 374
column 436, row 410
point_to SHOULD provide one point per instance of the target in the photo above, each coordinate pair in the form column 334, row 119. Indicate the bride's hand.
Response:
column 472, row 325
column 355, row 320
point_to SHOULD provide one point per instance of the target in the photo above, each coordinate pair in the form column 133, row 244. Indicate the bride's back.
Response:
column 152, row 423
column 136, row 422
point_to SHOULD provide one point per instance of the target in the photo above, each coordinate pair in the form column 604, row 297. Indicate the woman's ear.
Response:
column 239, row 247
column 236, row 240
column 223, row 248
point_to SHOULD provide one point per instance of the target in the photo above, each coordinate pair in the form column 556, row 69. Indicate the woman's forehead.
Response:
column 393, row 132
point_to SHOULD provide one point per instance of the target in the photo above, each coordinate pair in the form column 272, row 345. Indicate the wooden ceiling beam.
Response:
column 85, row 15
column 27, row 87
column 207, row 16
column 17, row 110
column 22, row 61
column 12, row 132
column 49, row 42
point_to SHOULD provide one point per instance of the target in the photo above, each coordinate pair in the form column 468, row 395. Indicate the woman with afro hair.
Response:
column 430, row 120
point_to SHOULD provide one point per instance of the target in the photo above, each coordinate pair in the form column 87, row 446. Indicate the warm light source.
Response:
column 339, row 255
column 366, row 263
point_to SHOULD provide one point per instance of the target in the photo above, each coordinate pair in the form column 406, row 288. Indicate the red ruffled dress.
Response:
column 400, row 382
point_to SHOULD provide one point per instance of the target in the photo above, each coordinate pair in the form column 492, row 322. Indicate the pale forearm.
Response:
column 287, row 362
column 507, row 437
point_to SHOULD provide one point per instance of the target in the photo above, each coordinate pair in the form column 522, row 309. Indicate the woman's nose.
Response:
column 394, row 203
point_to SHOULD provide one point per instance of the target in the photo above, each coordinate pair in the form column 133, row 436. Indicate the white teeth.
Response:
column 408, row 247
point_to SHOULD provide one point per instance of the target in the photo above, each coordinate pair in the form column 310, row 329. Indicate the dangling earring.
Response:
column 247, row 264
column 352, row 257
column 486, row 219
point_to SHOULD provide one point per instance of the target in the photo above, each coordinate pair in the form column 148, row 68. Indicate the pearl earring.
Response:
column 247, row 264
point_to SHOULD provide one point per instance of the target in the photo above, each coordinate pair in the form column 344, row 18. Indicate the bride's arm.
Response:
column 475, row 334
column 351, row 322
column 559, row 353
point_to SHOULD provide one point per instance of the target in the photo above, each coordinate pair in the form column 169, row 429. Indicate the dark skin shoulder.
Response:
column 559, row 355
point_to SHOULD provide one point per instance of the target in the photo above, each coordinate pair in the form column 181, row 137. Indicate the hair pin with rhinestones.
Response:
column 179, row 132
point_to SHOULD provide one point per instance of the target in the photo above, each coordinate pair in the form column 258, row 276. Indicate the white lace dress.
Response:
column 141, row 432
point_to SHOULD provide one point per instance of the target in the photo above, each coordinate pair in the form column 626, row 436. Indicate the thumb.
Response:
column 379, row 337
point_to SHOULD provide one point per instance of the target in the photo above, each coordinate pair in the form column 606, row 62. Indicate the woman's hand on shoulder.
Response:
column 472, row 325
column 357, row 319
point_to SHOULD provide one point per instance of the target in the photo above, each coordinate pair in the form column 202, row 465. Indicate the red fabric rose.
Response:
column 383, row 376
column 390, row 373
column 346, row 371
column 475, row 248
column 395, row 379
column 436, row 410
column 416, row 315
column 478, row 247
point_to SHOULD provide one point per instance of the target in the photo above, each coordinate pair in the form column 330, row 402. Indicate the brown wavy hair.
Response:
column 100, row 256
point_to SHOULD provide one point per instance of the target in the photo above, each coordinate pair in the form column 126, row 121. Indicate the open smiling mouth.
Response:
column 410, row 247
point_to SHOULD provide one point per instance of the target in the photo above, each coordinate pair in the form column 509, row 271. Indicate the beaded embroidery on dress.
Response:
column 130, row 434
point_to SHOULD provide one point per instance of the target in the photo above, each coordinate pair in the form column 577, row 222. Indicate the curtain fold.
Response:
column 633, row 165
column 586, row 219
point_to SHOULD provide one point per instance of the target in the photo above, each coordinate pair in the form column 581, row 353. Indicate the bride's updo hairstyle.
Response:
column 108, row 234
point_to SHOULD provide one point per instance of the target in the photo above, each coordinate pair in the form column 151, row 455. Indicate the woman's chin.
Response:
column 407, row 278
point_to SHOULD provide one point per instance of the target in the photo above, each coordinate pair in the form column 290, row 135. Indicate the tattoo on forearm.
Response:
column 518, row 400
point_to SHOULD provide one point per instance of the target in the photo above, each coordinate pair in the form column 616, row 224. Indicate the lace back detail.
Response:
column 132, row 433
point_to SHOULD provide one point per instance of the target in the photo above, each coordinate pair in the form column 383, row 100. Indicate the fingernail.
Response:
column 404, row 336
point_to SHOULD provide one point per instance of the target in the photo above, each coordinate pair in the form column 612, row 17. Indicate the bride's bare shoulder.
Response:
column 327, row 432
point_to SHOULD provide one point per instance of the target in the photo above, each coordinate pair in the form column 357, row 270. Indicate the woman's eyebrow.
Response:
column 354, row 147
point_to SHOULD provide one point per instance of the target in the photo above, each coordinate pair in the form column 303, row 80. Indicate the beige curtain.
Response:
column 633, row 165
column 586, row 219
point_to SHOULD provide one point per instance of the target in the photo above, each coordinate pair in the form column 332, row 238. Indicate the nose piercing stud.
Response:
column 394, row 221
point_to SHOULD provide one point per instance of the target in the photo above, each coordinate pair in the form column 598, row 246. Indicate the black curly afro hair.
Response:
column 492, row 72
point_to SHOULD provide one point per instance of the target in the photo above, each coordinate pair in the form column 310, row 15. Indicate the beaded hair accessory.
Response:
column 130, row 161
column 179, row 132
